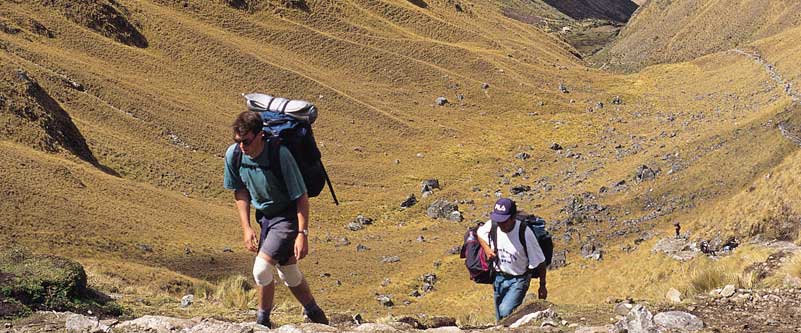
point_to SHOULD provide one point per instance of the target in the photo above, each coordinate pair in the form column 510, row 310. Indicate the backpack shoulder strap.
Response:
column 237, row 157
column 493, row 238
column 274, row 155
column 522, row 236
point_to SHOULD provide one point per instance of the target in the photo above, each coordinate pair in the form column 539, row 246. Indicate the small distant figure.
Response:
column 678, row 230
column 706, row 249
column 731, row 244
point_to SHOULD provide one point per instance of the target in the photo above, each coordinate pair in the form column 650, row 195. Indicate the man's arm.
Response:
column 243, row 209
column 302, row 242
column 487, row 249
column 541, row 271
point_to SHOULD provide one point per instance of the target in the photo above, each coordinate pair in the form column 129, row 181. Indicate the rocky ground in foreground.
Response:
column 723, row 310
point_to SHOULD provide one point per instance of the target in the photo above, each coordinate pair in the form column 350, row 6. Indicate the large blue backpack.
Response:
column 295, row 133
column 544, row 239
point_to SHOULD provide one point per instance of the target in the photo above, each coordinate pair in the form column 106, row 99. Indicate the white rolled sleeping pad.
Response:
column 298, row 109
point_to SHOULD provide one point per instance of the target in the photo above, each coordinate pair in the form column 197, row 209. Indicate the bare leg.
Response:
column 301, row 292
column 267, row 293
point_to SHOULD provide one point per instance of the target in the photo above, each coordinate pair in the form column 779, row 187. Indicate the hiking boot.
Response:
column 264, row 321
column 316, row 316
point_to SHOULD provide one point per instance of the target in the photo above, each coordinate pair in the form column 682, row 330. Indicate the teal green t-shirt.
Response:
column 267, row 192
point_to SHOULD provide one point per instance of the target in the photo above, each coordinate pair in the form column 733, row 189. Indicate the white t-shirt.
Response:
column 511, row 256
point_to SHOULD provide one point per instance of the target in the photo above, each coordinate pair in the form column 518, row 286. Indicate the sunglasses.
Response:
column 246, row 142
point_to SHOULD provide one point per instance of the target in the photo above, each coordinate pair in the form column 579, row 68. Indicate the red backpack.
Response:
column 481, row 271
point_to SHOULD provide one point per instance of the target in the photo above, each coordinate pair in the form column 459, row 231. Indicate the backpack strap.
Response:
column 328, row 181
column 273, row 147
column 522, row 236
column 237, row 157
column 493, row 238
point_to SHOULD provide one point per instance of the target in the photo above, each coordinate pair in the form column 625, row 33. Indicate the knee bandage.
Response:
column 262, row 272
column 290, row 274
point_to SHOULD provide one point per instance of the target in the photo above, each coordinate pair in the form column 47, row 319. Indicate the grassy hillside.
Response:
column 115, row 117
column 673, row 31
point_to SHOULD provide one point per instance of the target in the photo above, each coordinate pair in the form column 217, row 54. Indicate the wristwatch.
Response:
column 305, row 232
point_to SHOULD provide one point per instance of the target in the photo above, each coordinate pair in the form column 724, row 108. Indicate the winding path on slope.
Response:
column 788, row 89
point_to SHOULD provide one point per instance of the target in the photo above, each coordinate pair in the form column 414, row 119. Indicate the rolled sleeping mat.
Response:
column 298, row 109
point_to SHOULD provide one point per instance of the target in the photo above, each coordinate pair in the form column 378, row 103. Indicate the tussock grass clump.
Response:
column 704, row 279
column 235, row 292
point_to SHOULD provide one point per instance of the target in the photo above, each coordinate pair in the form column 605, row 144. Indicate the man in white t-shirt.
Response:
column 515, row 265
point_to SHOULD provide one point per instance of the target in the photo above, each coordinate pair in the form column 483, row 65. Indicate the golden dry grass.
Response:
column 374, row 68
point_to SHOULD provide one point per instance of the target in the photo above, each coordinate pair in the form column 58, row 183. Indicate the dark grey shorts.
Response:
column 278, row 235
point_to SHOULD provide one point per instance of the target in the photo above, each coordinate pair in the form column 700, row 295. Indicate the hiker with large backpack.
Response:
column 265, row 175
column 515, row 256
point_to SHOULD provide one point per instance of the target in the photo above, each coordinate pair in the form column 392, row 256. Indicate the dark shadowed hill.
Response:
column 612, row 10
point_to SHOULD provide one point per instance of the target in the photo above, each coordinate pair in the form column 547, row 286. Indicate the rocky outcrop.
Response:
column 106, row 17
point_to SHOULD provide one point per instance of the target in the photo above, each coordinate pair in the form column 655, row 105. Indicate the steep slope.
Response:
column 673, row 31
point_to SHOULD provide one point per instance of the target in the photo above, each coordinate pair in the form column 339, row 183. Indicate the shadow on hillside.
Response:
column 419, row 3
column 58, row 125
column 613, row 10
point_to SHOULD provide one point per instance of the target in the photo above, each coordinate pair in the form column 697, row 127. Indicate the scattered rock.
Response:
column 518, row 189
column 678, row 320
column 385, row 300
column 442, row 208
column 439, row 321
column 145, row 248
column 187, row 300
column 411, row 321
column 645, row 173
column 354, row 226
column 342, row 241
column 728, row 291
column 390, row 259
column 522, row 156
column 411, row 200
column 361, row 248
column 673, row 295
column 429, row 185
column 638, row 320
column 617, row 100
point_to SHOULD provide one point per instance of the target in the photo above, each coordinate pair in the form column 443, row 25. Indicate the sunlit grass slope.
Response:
column 147, row 209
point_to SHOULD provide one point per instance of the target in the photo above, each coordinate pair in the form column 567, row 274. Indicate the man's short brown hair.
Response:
column 247, row 122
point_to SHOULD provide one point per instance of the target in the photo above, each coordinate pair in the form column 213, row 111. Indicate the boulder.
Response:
column 441, row 101
column 638, row 320
column 728, row 291
column 156, row 324
column 83, row 324
column 439, row 321
column 678, row 320
column 673, row 295
column 187, row 300
column 645, row 173
column 410, row 201
column 442, row 208
column 373, row 327
column 217, row 326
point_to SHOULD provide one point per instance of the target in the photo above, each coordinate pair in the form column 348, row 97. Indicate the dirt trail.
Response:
column 788, row 89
